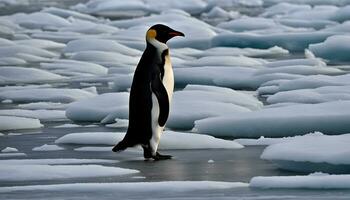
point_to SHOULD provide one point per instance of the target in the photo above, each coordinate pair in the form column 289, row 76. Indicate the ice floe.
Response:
column 100, row 107
column 310, row 153
column 22, row 74
column 168, row 186
column 311, row 82
column 46, row 94
column 38, row 20
column 317, row 95
column 281, row 121
column 334, row 48
column 99, row 45
column 292, row 41
column 312, row 181
column 33, row 172
column 74, row 68
column 9, row 150
column 48, row 147
column 188, row 104
column 15, row 123
column 43, row 115
column 170, row 140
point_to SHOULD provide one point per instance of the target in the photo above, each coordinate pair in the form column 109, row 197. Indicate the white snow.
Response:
column 313, row 181
column 48, row 147
column 281, row 121
column 14, row 123
column 170, row 140
column 169, row 186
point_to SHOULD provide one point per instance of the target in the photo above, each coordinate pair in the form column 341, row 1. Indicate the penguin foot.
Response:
column 159, row 156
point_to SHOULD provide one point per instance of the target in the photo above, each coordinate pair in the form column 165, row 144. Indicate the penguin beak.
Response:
column 174, row 33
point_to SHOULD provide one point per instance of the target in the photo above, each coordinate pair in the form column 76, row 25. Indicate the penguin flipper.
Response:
column 159, row 90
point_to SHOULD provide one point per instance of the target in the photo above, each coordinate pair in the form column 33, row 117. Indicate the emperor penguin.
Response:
column 151, row 94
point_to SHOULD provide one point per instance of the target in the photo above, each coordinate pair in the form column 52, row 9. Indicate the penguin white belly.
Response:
column 168, row 82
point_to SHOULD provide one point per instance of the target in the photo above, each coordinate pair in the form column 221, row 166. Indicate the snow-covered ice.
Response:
column 48, row 147
column 22, row 74
column 49, row 172
column 9, row 150
column 15, row 123
column 170, row 186
column 316, row 152
column 46, row 94
column 100, row 107
column 311, row 181
column 281, row 121
column 334, row 48
column 170, row 140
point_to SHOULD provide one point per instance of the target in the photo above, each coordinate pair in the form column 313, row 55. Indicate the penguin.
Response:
column 151, row 94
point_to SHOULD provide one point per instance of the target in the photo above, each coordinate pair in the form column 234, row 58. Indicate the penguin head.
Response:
column 161, row 33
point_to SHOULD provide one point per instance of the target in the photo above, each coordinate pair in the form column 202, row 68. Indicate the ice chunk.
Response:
column 320, row 153
column 65, row 13
column 295, row 42
column 168, row 186
column 42, row 106
column 88, row 27
column 249, row 24
column 50, row 172
column 9, row 150
column 232, row 77
column 72, row 68
column 170, row 140
column 241, row 61
column 41, row 44
column 232, row 51
column 48, row 147
column 56, row 161
column 314, row 81
column 102, row 57
column 99, row 45
column 318, row 95
column 43, row 115
column 14, row 123
column 97, row 108
column 38, row 20
column 334, row 49
column 46, row 94
column 281, row 121
column 313, row 181
column 188, row 105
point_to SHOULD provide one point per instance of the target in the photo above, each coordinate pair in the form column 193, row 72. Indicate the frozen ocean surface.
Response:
column 256, row 82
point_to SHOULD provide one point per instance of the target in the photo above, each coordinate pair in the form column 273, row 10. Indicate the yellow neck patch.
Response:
column 151, row 33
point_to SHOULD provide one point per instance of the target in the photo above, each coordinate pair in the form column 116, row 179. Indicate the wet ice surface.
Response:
column 57, row 65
